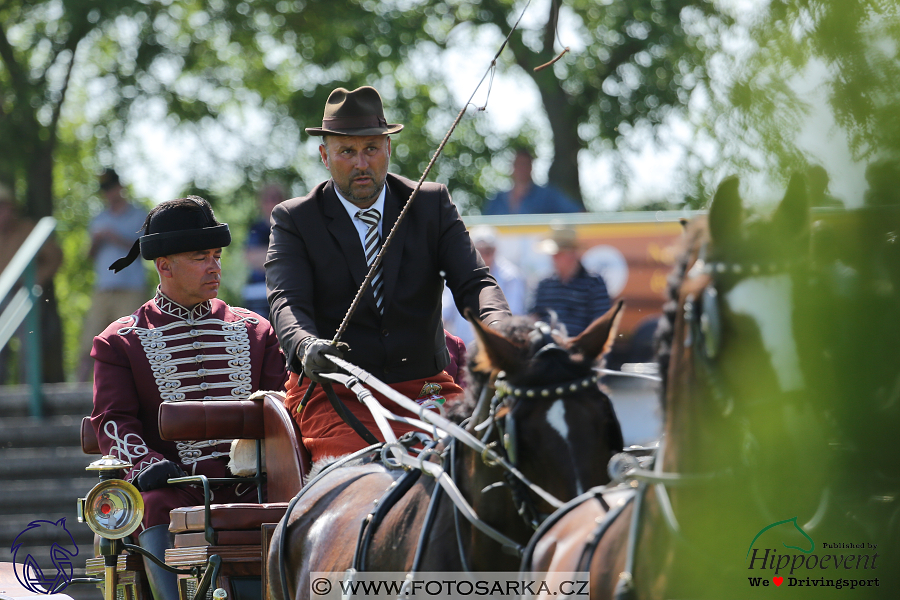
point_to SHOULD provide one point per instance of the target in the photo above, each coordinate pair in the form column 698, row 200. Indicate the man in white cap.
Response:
column 574, row 294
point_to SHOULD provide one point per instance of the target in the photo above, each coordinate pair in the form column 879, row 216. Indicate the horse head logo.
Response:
column 28, row 572
column 793, row 521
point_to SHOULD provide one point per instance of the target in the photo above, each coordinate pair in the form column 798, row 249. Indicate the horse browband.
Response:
column 504, row 389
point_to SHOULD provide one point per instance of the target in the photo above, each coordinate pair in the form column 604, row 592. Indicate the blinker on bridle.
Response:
column 505, row 393
column 705, row 321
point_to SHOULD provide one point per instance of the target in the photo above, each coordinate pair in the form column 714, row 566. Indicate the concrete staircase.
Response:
column 42, row 474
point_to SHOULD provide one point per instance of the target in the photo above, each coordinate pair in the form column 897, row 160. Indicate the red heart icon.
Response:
column 778, row 580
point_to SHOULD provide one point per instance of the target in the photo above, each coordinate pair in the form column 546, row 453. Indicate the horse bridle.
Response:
column 505, row 396
column 705, row 335
column 705, row 321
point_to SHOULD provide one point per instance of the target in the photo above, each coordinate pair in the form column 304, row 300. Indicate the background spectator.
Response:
column 13, row 232
column 882, row 177
column 113, row 233
column 817, row 181
column 525, row 196
column 484, row 238
column 257, row 245
column 575, row 295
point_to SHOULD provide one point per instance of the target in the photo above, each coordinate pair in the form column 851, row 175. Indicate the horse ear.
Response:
column 791, row 218
column 495, row 352
column 726, row 213
column 599, row 336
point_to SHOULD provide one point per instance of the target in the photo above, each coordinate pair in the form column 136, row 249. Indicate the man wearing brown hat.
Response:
column 319, row 253
column 183, row 344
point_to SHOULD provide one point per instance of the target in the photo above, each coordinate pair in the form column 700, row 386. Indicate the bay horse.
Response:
column 746, row 430
column 534, row 396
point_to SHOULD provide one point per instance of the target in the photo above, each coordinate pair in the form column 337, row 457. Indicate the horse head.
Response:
column 856, row 255
column 539, row 400
column 739, row 356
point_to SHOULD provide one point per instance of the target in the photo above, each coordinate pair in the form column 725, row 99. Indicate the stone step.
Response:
column 29, row 432
column 44, row 533
column 42, row 495
column 38, row 543
column 58, row 399
column 43, row 463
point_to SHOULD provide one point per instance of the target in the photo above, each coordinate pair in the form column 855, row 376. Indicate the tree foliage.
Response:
column 810, row 64
column 238, row 81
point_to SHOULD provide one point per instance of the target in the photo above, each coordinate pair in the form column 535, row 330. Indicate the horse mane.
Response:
column 696, row 234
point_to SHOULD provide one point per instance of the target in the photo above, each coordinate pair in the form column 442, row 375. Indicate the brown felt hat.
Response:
column 359, row 112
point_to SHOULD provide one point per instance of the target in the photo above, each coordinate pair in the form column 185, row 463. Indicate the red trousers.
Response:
column 324, row 433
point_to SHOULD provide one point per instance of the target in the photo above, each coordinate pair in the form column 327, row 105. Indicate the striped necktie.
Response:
column 371, row 217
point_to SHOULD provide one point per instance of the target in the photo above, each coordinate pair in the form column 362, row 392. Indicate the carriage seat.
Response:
column 234, row 524
column 89, row 443
column 287, row 461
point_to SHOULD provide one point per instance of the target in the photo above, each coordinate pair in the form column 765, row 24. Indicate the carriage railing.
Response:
column 23, row 305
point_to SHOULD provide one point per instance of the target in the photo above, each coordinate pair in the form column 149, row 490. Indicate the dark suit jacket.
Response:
column 315, row 265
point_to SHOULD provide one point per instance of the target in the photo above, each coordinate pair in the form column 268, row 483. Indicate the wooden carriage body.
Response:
column 238, row 533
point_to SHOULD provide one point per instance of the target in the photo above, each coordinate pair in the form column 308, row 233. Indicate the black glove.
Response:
column 313, row 358
column 156, row 475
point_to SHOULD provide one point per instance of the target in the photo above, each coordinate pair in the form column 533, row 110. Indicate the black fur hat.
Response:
column 182, row 225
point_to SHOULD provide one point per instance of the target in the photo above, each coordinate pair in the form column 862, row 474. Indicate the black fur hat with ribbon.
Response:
column 182, row 225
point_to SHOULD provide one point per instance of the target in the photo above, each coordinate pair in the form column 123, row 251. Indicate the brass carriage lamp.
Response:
column 113, row 509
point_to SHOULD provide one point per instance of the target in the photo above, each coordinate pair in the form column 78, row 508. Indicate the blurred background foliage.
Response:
column 235, row 83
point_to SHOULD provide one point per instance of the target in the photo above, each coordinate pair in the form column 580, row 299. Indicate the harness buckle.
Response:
column 488, row 449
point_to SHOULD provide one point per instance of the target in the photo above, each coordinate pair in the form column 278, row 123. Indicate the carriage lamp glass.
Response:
column 113, row 509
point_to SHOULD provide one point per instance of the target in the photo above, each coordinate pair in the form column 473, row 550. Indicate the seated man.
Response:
column 183, row 344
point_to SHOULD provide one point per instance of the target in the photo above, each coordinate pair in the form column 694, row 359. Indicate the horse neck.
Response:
column 686, row 405
column 495, row 507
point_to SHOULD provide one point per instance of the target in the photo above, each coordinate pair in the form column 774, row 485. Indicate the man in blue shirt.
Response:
column 113, row 232
column 257, row 245
column 577, row 296
column 526, row 197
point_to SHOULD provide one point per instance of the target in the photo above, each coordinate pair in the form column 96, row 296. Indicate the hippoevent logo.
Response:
column 805, row 567
column 62, row 544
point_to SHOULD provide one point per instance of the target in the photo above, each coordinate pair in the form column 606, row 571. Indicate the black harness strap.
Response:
column 593, row 541
column 553, row 519
column 385, row 504
column 348, row 417
column 459, row 540
column 426, row 527
column 283, row 523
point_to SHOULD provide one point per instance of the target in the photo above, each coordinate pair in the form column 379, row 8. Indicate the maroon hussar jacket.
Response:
column 165, row 352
